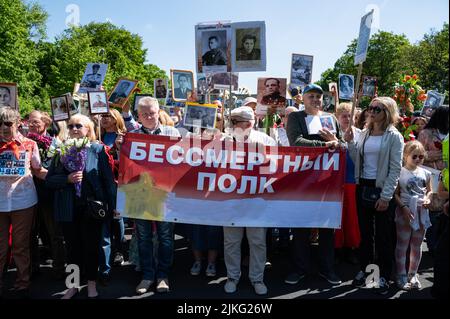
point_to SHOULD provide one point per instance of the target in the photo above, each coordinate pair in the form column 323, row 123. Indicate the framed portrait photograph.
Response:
column 333, row 88
column 346, row 86
column 301, row 70
column 98, row 102
column 93, row 77
column 433, row 101
column 223, row 81
column 200, row 115
column 122, row 91
column 137, row 98
column 160, row 87
column 369, row 86
column 294, row 90
column 272, row 91
column 328, row 123
column 83, row 106
column 248, row 49
column 203, row 83
column 182, row 84
column 73, row 109
column 60, row 108
column 213, row 43
column 329, row 102
column 8, row 95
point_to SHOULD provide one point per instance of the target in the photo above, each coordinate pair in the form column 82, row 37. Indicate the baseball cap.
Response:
column 249, row 100
column 312, row 88
column 243, row 113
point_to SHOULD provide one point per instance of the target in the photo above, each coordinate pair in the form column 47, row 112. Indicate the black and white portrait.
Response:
column 249, row 46
column 369, row 86
column 93, row 77
column 200, row 115
column 73, row 109
column 122, row 91
column 301, row 70
column 59, row 107
column 212, row 47
column 8, row 95
column 160, row 88
column 346, row 86
column 329, row 102
column 182, row 85
column 433, row 101
column 223, row 81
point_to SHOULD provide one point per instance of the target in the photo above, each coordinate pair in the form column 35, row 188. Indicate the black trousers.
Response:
column 377, row 235
column 301, row 253
column 82, row 237
column 441, row 265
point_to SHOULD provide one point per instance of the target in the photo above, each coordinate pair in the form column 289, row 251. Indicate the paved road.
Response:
column 184, row 286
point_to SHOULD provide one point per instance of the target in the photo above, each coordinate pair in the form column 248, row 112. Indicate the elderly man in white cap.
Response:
column 243, row 120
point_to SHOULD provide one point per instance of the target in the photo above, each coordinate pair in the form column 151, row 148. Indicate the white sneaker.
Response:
column 414, row 282
column 231, row 286
column 143, row 287
column 196, row 268
column 402, row 282
column 260, row 288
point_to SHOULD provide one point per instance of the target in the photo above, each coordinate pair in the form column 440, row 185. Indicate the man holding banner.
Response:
column 243, row 120
column 148, row 113
column 298, row 135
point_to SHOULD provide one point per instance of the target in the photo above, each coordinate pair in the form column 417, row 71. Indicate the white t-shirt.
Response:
column 372, row 149
column 262, row 138
column 413, row 183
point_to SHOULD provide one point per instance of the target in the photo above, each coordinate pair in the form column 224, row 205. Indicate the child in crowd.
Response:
column 411, row 218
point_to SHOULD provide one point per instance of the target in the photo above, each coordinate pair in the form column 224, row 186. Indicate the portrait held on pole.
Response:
column 301, row 70
column 248, row 49
column 60, row 108
column 98, row 102
column 122, row 91
column 8, row 95
column 346, row 86
column 93, row 77
column 182, row 84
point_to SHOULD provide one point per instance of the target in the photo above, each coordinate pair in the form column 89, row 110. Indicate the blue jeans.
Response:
column 160, row 264
column 116, row 229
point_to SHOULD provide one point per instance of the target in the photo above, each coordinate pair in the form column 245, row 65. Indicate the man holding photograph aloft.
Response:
column 298, row 135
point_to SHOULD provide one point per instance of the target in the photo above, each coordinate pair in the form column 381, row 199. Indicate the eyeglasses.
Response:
column 375, row 109
column 414, row 157
column 72, row 126
column 8, row 124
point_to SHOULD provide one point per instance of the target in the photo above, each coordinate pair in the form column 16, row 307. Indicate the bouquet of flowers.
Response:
column 73, row 155
column 43, row 142
column 409, row 95
column 406, row 128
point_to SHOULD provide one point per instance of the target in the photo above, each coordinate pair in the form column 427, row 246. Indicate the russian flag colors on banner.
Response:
column 225, row 183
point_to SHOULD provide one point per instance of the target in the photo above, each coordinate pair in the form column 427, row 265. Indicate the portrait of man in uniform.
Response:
column 272, row 91
column 216, row 54
column 93, row 77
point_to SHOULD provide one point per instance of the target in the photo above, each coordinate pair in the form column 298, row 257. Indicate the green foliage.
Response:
column 391, row 56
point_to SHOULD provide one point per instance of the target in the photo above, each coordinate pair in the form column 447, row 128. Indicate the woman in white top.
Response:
column 377, row 155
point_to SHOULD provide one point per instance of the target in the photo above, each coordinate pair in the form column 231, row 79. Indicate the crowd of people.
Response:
column 391, row 203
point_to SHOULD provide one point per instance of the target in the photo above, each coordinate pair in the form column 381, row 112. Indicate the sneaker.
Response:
column 162, row 286
column 294, row 278
column 231, row 286
column 260, row 287
column 118, row 260
column 383, row 287
column 268, row 265
column 331, row 277
column 414, row 282
column 143, row 287
column 211, row 270
column 196, row 268
column 402, row 282
column 360, row 279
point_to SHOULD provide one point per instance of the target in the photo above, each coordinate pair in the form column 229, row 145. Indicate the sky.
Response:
column 322, row 28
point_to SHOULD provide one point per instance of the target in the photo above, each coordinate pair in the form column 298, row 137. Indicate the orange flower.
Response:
column 408, row 77
column 412, row 91
column 415, row 77
column 422, row 97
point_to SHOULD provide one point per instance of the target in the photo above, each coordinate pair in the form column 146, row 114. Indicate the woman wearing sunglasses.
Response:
column 19, row 161
column 377, row 155
column 82, row 231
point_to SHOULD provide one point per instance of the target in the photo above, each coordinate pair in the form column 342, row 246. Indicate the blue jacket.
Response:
column 98, row 182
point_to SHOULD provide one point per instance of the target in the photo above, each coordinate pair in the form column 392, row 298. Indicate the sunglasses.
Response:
column 72, row 126
column 8, row 124
column 375, row 109
column 414, row 157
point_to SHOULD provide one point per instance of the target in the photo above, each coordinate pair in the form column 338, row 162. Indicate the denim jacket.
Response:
column 389, row 160
column 98, row 183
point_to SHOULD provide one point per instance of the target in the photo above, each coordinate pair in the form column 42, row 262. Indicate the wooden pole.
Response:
column 356, row 94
